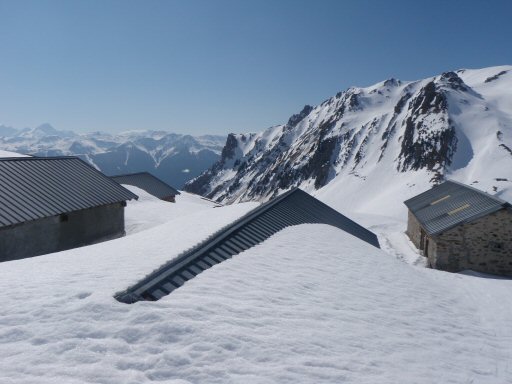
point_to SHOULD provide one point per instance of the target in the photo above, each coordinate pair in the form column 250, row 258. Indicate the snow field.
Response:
column 312, row 304
column 149, row 211
column 10, row 154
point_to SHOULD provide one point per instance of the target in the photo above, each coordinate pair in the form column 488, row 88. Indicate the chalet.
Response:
column 458, row 227
column 149, row 183
column 291, row 208
column 56, row 203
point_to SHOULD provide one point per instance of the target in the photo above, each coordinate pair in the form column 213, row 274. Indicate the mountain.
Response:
column 7, row 131
column 395, row 138
column 172, row 157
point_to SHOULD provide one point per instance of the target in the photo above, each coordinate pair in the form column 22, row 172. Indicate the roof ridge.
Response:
column 147, row 181
column 460, row 184
column 28, row 158
column 478, row 191
column 452, row 203
column 135, row 173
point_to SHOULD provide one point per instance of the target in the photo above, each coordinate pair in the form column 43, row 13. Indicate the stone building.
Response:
column 149, row 183
column 458, row 227
column 56, row 203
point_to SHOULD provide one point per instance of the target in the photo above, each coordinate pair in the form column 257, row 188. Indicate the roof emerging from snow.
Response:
column 450, row 204
column 291, row 208
column 149, row 183
column 36, row 187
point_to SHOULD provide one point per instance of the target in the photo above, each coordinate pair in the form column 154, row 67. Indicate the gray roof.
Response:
column 450, row 204
column 149, row 183
column 36, row 187
column 291, row 208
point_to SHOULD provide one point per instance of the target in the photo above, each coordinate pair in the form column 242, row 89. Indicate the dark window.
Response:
column 495, row 246
column 64, row 217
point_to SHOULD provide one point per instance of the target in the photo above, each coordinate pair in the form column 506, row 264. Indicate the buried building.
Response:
column 149, row 183
column 291, row 208
column 458, row 227
column 56, row 203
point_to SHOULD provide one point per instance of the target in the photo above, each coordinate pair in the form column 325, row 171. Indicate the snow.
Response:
column 368, row 151
column 478, row 160
column 125, row 152
column 10, row 154
column 311, row 304
column 149, row 211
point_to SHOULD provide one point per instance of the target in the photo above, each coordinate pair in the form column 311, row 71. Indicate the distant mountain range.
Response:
column 173, row 157
column 395, row 138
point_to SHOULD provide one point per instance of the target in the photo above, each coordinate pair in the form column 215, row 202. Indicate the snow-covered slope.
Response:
column 149, row 211
column 312, row 304
column 393, row 139
column 172, row 157
column 11, row 154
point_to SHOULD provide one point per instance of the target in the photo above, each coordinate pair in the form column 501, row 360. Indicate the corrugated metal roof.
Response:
column 450, row 204
column 292, row 208
column 146, row 181
column 35, row 187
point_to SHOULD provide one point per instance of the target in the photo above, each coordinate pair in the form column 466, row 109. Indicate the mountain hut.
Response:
column 56, row 203
column 149, row 183
column 458, row 227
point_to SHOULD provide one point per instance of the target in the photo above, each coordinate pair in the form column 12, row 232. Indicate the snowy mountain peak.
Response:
column 297, row 118
column 173, row 157
column 42, row 131
column 454, row 125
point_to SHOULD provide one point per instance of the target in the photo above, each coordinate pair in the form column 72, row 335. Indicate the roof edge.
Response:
column 133, row 195
column 215, row 237
column 144, row 173
column 496, row 198
column 134, row 173
column 466, row 221
column 28, row 158
column 49, row 158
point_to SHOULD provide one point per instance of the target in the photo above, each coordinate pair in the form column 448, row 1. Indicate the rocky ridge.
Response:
column 431, row 129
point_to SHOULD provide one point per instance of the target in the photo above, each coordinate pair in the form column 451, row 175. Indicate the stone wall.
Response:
column 413, row 229
column 169, row 198
column 58, row 233
column 483, row 245
column 431, row 252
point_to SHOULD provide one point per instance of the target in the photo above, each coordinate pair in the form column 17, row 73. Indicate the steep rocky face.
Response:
column 229, row 150
column 390, row 128
column 297, row 118
column 201, row 183
column 424, row 147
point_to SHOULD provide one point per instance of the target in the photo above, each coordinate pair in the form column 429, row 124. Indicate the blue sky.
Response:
column 219, row 66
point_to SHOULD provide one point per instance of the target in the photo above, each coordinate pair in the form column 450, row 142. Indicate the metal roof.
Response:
column 450, row 204
column 36, row 187
column 146, row 181
column 291, row 208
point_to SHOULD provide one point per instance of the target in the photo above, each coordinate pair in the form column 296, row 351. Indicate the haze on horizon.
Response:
column 213, row 67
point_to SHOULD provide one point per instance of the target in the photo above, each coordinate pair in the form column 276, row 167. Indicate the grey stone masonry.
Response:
column 413, row 229
column 483, row 245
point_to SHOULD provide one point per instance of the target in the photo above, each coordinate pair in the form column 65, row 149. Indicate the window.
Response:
column 63, row 218
column 496, row 246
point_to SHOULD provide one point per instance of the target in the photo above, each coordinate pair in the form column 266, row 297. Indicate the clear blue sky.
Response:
column 217, row 66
